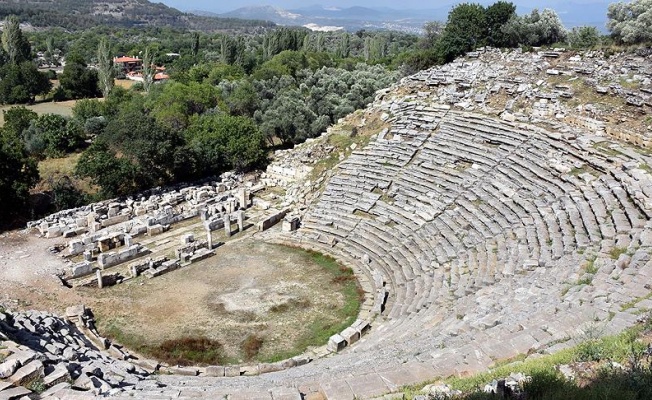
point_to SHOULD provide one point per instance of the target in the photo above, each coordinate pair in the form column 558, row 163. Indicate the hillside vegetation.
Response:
column 82, row 14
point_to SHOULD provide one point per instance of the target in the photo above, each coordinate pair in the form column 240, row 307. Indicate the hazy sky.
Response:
column 228, row 5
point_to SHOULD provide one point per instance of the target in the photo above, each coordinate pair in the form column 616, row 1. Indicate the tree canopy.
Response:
column 18, row 171
column 630, row 22
column 77, row 80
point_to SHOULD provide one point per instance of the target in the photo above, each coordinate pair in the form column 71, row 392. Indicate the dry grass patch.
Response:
column 284, row 299
column 62, row 108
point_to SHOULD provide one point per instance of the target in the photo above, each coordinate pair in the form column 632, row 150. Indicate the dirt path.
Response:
column 28, row 273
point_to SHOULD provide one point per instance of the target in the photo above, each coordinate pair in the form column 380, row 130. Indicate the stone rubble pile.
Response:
column 548, row 87
column 45, row 356
column 151, row 210
column 510, row 387
column 104, row 233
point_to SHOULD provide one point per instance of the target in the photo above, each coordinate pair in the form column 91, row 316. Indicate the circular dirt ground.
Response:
column 282, row 295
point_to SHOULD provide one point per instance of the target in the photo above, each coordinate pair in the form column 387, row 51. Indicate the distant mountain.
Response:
column 572, row 13
column 83, row 14
column 268, row 13
column 349, row 18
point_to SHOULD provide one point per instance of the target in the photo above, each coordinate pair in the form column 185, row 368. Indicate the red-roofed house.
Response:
column 128, row 64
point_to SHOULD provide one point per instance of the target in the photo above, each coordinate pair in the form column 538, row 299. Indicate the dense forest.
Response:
column 230, row 97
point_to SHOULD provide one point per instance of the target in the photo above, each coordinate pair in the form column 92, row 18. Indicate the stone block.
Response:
column 290, row 224
column 75, row 247
column 115, row 220
column 336, row 343
column 361, row 326
column 53, row 391
column 271, row 219
column 155, row 229
column 81, row 269
column 249, row 370
column 146, row 364
column 367, row 386
column 186, row 371
column 246, row 394
column 285, row 393
column 8, row 368
column 27, row 373
column 15, row 393
column 275, row 367
column 231, row 371
column 69, row 233
column 337, row 389
column 187, row 239
column 215, row 371
column 54, row 231
column 351, row 335
column 59, row 375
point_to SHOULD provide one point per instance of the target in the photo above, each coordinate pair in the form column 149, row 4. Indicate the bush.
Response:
column 190, row 350
column 584, row 37
column 251, row 346
column 52, row 135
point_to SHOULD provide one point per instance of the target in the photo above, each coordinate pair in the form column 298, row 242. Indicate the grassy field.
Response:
column 61, row 108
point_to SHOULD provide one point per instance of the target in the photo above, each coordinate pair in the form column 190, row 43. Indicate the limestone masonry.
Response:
column 503, row 208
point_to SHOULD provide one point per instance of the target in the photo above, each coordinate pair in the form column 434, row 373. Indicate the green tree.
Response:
column 172, row 104
column 18, row 173
column 151, row 148
column 88, row 108
column 287, row 62
column 105, row 68
column 630, row 22
column 535, row 29
column 17, row 119
column 21, row 83
column 194, row 44
column 14, row 43
column 52, row 135
column 221, row 71
column 344, row 48
column 584, row 37
column 432, row 32
column 223, row 142
column 77, row 80
column 497, row 15
column 242, row 99
column 65, row 194
column 115, row 176
column 466, row 29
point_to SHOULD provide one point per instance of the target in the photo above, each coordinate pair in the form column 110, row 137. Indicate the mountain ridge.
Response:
column 79, row 14
column 573, row 13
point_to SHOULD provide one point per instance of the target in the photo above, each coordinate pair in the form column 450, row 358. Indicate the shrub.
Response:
column 190, row 350
column 251, row 346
